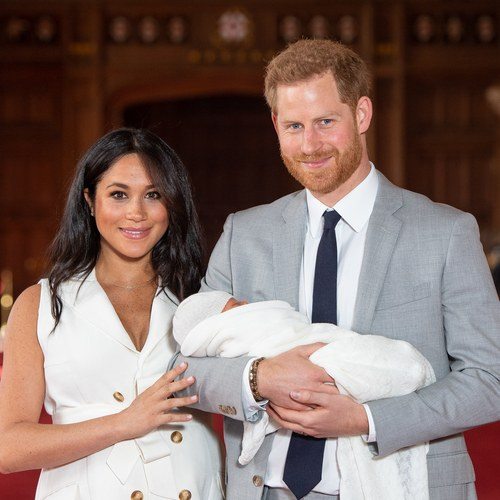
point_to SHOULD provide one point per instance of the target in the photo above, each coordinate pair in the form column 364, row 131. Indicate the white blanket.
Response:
column 366, row 367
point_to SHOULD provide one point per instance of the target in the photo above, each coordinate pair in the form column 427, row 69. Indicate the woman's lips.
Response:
column 134, row 234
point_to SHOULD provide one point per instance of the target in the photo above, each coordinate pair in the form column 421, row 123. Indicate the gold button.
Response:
column 176, row 437
column 184, row 495
column 257, row 481
column 119, row 397
column 136, row 495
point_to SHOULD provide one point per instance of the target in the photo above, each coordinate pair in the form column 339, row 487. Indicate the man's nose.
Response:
column 311, row 141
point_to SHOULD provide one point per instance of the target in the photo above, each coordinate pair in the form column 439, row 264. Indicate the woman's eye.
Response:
column 153, row 195
column 118, row 195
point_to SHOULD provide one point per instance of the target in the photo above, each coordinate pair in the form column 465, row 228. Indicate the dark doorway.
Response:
column 228, row 145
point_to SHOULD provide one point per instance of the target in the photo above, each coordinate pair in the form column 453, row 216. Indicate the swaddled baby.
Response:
column 365, row 367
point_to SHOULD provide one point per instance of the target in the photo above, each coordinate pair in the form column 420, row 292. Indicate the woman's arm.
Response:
column 25, row 443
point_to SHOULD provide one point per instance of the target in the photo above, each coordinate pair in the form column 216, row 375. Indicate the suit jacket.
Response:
column 424, row 279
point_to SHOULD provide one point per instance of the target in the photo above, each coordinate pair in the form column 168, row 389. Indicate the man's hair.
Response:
column 305, row 59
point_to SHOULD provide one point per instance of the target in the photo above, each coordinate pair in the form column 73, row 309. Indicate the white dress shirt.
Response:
column 355, row 209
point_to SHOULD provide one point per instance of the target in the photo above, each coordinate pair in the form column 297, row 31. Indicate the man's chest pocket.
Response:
column 396, row 296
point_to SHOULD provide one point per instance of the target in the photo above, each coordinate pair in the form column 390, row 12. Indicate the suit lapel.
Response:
column 381, row 238
column 288, row 245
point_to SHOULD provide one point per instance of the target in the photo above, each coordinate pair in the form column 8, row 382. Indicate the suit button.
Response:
column 185, row 495
column 137, row 495
column 119, row 397
column 176, row 437
column 257, row 481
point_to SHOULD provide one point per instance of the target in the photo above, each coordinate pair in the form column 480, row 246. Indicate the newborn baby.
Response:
column 365, row 367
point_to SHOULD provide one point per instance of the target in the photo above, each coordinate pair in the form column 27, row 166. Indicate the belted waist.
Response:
column 150, row 448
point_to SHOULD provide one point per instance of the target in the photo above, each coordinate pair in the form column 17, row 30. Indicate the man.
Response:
column 404, row 267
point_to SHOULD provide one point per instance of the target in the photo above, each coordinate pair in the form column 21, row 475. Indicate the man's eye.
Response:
column 118, row 195
column 153, row 195
column 295, row 126
column 326, row 121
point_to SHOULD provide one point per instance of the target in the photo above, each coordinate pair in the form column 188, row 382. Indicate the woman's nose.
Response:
column 136, row 210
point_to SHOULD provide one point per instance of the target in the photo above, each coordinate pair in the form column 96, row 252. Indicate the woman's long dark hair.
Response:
column 176, row 258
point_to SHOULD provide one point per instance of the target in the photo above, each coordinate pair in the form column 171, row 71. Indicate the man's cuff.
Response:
column 372, row 434
column 251, row 408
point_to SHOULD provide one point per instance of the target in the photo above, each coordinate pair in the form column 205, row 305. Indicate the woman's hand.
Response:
column 153, row 407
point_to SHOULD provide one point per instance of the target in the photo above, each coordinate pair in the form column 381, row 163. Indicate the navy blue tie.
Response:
column 304, row 460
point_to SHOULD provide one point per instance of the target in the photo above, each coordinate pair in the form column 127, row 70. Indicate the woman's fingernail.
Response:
column 194, row 398
column 183, row 365
column 295, row 394
column 190, row 379
column 189, row 417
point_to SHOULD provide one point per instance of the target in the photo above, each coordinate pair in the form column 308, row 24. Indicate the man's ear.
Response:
column 364, row 112
column 88, row 200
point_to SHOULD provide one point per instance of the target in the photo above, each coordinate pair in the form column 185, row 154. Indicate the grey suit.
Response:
column 424, row 279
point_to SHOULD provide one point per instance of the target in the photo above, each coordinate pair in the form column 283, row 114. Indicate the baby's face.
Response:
column 232, row 303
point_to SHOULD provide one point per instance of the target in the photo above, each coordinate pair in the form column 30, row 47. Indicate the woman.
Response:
column 93, row 340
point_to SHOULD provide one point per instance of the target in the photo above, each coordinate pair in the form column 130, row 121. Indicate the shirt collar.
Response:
column 355, row 208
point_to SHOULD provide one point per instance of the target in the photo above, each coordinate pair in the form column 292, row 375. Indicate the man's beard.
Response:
column 326, row 179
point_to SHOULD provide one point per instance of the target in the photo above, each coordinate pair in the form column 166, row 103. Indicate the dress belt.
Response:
column 151, row 448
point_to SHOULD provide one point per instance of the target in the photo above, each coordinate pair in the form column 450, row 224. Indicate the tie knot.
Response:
column 331, row 219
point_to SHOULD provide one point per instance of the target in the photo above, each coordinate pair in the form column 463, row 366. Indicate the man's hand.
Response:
column 290, row 371
column 329, row 414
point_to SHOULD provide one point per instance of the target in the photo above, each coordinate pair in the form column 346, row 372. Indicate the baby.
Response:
column 365, row 367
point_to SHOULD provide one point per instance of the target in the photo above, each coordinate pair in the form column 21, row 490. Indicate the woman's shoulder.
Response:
column 29, row 298
column 24, row 312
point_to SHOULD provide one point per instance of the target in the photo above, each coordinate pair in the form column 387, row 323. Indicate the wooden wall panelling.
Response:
column 451, row 127
column 84, row 86
column 493, row 98
column 30, row 194
column 31, row 89
column 30, row 172
column 450, row 152
column 389, row 97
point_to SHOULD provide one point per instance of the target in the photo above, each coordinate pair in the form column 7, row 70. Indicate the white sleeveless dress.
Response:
column 92, row 369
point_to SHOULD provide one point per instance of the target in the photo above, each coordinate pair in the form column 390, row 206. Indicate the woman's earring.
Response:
column 92, row 212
